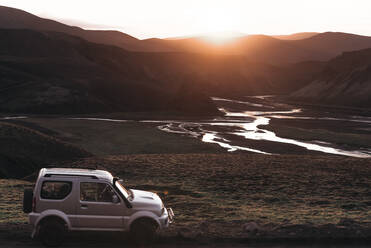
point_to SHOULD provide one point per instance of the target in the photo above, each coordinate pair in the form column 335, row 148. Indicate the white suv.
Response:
column 91, row 200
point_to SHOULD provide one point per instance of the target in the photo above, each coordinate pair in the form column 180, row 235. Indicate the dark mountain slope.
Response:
column 346, row 80
column 48, row 72
column 224, row 75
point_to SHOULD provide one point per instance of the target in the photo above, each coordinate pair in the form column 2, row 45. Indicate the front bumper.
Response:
column 166, row 218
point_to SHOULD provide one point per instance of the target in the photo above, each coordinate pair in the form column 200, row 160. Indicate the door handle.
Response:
column 84, row 206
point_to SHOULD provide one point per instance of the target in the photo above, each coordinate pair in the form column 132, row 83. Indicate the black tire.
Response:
column 27, row 200
column 52, row 232
column 143, row 231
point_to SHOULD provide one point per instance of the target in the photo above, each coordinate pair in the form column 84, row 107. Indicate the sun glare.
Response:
column 219, row 38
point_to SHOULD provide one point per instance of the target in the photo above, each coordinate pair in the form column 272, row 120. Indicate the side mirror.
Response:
column 115, row 199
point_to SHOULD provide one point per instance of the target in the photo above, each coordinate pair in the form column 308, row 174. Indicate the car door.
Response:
column 97, row 209
column 58, row 195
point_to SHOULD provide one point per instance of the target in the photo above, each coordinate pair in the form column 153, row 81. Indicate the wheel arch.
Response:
column 53, row 214
column 144, row 215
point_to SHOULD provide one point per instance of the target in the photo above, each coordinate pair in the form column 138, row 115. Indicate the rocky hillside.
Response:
column 346, row 80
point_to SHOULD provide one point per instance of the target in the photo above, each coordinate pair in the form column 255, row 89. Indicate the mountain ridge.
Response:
column 275, row 50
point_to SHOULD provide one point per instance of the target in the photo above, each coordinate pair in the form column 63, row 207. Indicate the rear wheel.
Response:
column 143, row 231
column 52, row 232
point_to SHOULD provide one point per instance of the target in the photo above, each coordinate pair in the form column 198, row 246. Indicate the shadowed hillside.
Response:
column 346, row 80
column 24, row 151
column 57, row 73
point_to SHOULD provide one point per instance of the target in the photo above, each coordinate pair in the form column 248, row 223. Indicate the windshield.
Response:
column 124, row 191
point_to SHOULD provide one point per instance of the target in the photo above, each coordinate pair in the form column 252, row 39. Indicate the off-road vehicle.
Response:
column 91, row 200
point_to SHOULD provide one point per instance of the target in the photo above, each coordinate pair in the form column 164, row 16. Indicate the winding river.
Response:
column 250, row 126
column 242, row 127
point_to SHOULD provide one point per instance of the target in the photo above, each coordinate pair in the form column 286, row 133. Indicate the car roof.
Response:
column 76, row 172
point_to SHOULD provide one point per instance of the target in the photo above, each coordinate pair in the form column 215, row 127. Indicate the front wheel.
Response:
column 143, row 231
column 52, row 233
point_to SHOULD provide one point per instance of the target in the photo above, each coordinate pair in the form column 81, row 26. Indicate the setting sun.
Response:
column 220, row 38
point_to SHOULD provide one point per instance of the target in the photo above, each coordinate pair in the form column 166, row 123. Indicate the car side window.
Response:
column 96, row 192
column 55, row 190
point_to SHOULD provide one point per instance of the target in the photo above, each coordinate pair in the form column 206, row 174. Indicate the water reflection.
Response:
column 98, row 119
column 249, row 125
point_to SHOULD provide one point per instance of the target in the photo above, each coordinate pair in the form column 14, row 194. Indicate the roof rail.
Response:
column 70, row 175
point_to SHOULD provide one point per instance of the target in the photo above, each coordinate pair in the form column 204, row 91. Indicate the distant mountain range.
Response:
column 50, row 67
column 276, row 50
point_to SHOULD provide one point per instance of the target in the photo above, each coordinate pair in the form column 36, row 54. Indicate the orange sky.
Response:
column 172, row 18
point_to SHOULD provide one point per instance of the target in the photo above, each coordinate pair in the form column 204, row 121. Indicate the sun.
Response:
column 220, row 38
column 219, row 25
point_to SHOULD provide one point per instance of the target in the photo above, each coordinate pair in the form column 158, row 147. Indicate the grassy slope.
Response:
column 24, row 150
column 11, row 192
column 215, row 195
column 269, row 189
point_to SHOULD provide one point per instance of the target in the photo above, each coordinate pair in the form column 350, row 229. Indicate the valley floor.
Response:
column 295, row 199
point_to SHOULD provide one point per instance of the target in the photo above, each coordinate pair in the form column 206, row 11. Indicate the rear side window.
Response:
column 55, row 190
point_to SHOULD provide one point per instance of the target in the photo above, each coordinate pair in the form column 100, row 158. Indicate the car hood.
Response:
column 146, row 200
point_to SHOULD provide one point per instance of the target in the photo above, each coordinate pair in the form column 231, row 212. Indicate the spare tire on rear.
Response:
column 27, row 200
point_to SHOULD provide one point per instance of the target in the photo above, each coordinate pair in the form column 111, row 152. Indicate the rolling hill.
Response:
column 11, row 18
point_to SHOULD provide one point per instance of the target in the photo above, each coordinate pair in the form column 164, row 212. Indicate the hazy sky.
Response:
column 172, row 18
